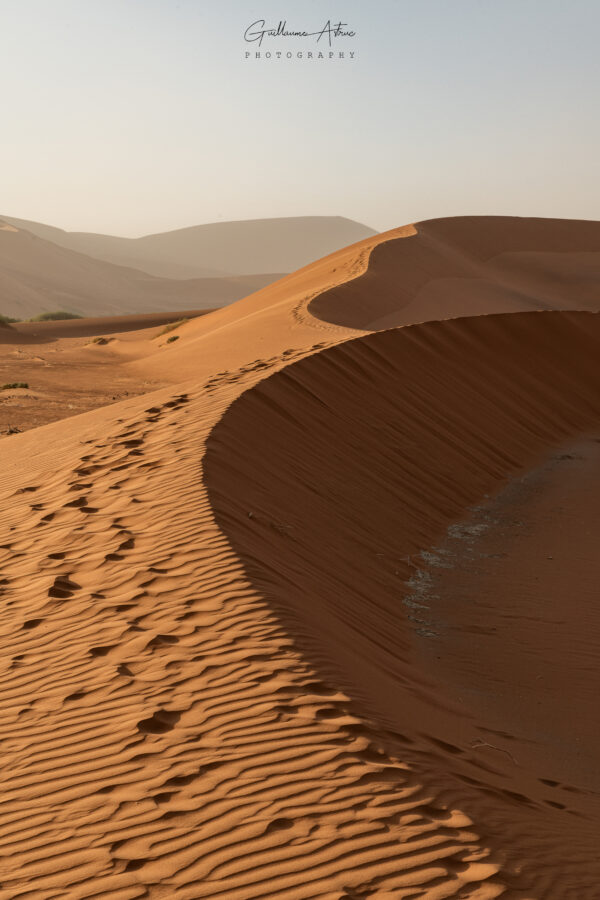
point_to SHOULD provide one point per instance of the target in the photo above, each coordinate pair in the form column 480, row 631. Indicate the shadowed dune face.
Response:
column 469, row 266
column 332, row 476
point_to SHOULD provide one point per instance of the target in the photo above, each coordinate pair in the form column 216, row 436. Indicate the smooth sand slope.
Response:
column 226, row 672
column 471, row 265
column 39, row 276
column 248, row 247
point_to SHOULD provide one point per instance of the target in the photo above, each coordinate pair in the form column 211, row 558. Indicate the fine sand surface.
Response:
column 276, row 631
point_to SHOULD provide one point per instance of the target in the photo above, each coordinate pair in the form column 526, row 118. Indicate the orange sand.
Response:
column 219, row 620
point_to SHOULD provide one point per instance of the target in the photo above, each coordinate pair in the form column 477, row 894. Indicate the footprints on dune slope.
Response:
column 161, row 736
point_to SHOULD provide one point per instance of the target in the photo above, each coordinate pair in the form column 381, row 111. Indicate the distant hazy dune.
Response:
column 249, row 247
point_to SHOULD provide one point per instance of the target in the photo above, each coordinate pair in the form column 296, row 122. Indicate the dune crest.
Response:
column 471, row 265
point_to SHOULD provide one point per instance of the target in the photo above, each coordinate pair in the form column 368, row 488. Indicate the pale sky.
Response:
column 136, row 116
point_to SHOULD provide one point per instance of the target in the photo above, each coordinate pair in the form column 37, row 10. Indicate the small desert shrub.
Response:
column 170, row 340
column 55, row 316
column 99, row 340
column 7, row 320
column 171, row 327
column 14, row 384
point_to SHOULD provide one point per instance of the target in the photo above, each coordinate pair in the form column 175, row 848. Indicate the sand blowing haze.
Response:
column 316, row 616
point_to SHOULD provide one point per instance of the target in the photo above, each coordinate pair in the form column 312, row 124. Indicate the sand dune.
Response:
column 365, row 477
column 224, row 604
column 250, row 247
column 472, row 265
column 38, row 276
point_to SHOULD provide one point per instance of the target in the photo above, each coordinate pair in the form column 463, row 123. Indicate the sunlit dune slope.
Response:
column 265, row 328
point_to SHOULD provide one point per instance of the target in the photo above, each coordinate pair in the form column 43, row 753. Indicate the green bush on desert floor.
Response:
column 171, row 327
column 7, row 320
column 54, row 316
column 14, row 384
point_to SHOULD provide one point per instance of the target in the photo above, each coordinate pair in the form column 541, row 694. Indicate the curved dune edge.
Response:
column 470, row 265
column 274, row 322
column 234, row 344
column 300, row 475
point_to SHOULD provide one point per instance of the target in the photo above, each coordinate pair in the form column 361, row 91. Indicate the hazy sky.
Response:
column 136, row 116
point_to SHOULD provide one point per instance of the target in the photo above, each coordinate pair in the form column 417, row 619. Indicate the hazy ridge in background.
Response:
column 43, row 268
column 249, row 247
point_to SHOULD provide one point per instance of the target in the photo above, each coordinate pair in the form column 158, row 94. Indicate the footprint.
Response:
column 281, row 824
column 159, row 723
column 124, row 669
column 329, row 712
column 134, row 864
column 180, row 780
column 63, row 587
column 80, row 501
column 162, row 640
column 75, row 696
column 101, row 651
